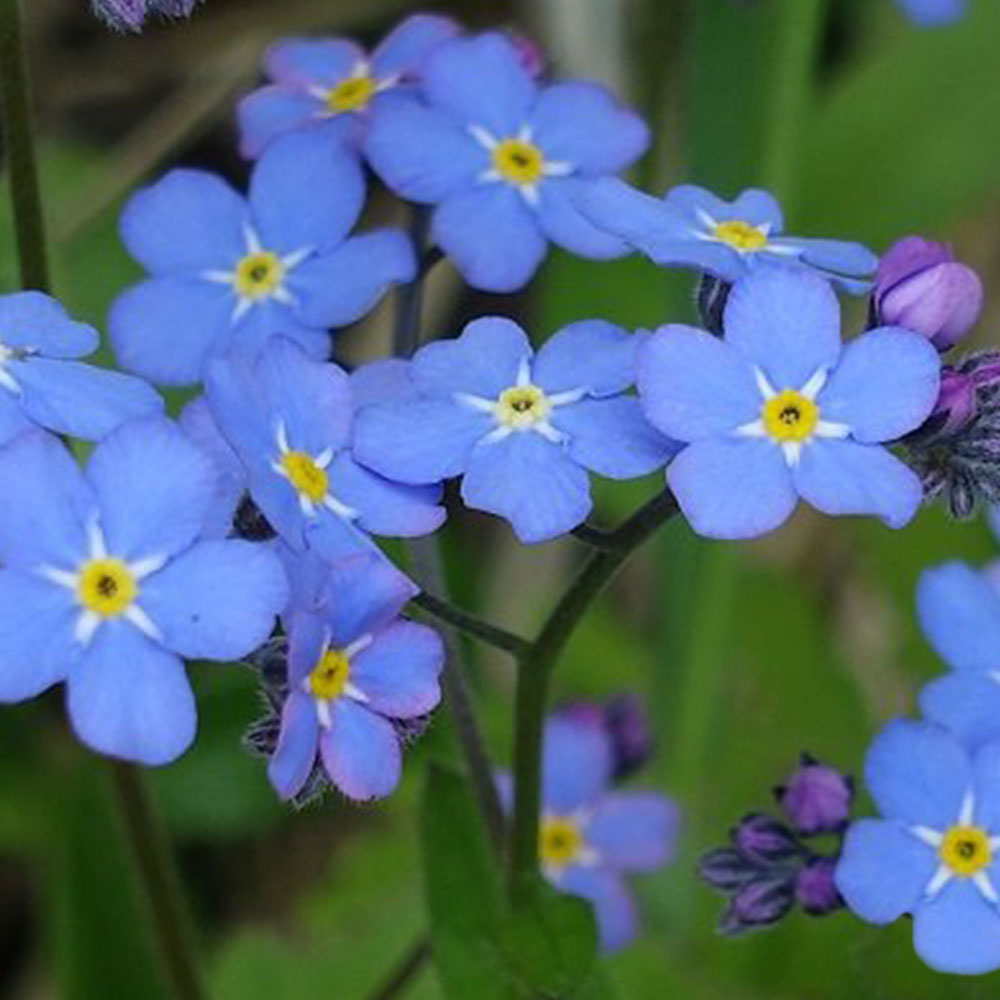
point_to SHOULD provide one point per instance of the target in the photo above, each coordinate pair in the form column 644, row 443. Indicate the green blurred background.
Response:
column 868, row 129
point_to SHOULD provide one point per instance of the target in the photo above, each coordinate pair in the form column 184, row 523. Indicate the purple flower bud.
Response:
column 764, row 840
column 759, row 904
column 920, row 286
column 628, row 726
column 816, row 799
column 130, row 15
column 529, row 53
column 815, row 889
column 956, row 405
column 727, row 870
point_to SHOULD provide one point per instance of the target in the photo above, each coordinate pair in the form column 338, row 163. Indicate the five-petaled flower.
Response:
column 779, row 409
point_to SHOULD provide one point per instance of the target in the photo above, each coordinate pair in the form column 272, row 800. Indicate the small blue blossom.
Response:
column 933, row 12
column 354, row 667
column 332, row 81
column 590, row 836
column 501, row 158
column 522, row 429
column 227, row 273
column 778, row 409
column 289, row 420
column 105, row 586
column 42, row 386
column 693, row 228
column 934, row 855
column 959, row 612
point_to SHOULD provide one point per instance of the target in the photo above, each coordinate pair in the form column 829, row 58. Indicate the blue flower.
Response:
column 779, row 409
column 353, row 668
column 289, row 420
column 227, row 273
column 959, row 611
column 333, row 81
column 935, row 853
column 105, row 588
column 691, row 227
column 522, row 430
column 40, row 384
column 501, row 158
column 933, row 12
column 590, row 837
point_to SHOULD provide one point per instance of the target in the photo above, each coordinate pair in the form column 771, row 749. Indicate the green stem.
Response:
column 19, row 146
column 535, row 674
column 406, row 970
column 471, row 625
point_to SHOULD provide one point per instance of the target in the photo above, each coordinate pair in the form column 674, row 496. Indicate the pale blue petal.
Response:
column 633, row 831
column 298, row 743
column 753, row 206
column 307, row 190
column 591, row 354
column 81, row 400
column 885, row 385
column 959, row 612
column 612, row 438
column 339, row 287
column 334, row 538
column 218, row 601
column 279, row 503
column 307, row 636
column 930, row 13
column 576, row 765
column 958, row 932
column 189, row 221
column 270, row 112
column 848, row 264
column 166, row 328
column 240, row 411
column 387, row 380
column 37, row 647
column 480, row 80
column 363, row 594
column 361, row 752
column 403, row 50
column 883, row 870
column 918, row 773
column 530, row 482
column 732, row 487
column 398, row 673
column 563, row 222
column 37, row 322
column 268, row 319
column 154, row 488
column 785, row 322
column 129, row 698
column 967, row 704
column 491, row 236
column 312, row 62
column 13, row 421
column 614, row 908
column 986, row 775
column 844, row 477
column 693, row 385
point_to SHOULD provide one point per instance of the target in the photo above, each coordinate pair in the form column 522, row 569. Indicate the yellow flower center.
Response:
column 559, row 841
column 305, row 475
column 259, row 274
column 740, row 235
column 790, row 416
column 522, row 407
column 517, row 161
column 329, row 677
column 106, row 587
column 351, row 94
column 966, row 850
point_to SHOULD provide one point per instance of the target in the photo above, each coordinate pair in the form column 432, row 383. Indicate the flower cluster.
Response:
column 131, row 15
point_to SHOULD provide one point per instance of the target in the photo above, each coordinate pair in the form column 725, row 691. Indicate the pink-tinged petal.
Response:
column 398, row 673
column 294, row 757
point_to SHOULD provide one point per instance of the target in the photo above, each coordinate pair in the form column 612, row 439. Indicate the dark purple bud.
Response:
column 631, row 739
column 727, row 870
column 760, row 904
column 815, row 889
column 816, row 799
column 920, row 286
column 763, row 840
column 956, row 405
column 130, row 15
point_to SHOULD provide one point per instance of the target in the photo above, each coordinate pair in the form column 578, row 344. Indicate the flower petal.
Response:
column 491, row 236
column 129, row 698
column 312, row 62
column 590, row 354
column 363, row 594
column 885, row 385
column 633, row 831
column 958, row 931
column 13, row 420
column 37, row 322
column 404, row 49
column 576, row 765
column 386, row 380
column 293, row 759
column 614, row 908
column 732, row 488
column 785, row 322
column 398, row 673
column 753, row 206
column 270, row 112
column 967, row 704
column 361, row 752
column 850, row 265
column 530, row 482
column 693, row 385
column 563, row 222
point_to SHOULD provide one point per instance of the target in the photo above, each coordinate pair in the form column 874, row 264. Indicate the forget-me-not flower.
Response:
column 934, row 855
column 693, row 228
column 501, row 158
column 521, row 429
column 106, row 587
column 353, row 667
column 591, row 836
column 959, row 612
column 289, row 420
column 227, row 273
column 332, row 81
column 41, row 383
column 779, row 409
